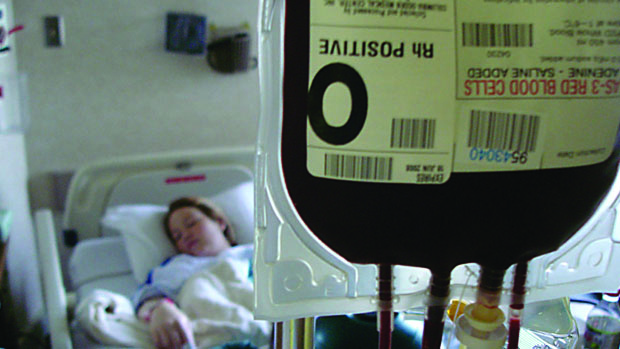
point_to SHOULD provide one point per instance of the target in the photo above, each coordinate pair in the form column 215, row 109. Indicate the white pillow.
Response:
column 238, row 205
column 146, row 243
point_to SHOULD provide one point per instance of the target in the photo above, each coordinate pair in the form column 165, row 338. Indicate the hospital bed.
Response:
column 103, row 258
column 105, row 255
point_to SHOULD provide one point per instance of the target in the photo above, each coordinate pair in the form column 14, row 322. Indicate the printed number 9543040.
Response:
column 498, row 156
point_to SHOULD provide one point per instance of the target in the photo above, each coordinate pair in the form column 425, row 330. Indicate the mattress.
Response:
column 101, row 263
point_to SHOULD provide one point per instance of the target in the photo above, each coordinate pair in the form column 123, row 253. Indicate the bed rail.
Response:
column 91, row 185
column 54, row 291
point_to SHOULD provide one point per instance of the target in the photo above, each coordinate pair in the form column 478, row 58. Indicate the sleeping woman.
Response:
column 203, row 236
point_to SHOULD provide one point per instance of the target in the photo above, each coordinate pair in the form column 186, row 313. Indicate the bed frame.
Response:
column 154, row 178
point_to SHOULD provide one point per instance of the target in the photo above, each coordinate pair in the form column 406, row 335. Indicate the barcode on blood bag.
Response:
column 413, row 133
column 503, row 131
column 358, row 167
column 498, row 35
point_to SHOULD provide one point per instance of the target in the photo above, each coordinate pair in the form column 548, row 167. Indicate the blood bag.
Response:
column 431, row 136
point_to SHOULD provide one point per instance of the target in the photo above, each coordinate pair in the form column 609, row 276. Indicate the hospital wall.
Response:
column 112, row 90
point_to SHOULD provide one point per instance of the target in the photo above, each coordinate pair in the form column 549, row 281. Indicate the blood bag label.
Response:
column 409, row 92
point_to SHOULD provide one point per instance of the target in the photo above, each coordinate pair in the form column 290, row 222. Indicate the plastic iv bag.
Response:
column 432, row 137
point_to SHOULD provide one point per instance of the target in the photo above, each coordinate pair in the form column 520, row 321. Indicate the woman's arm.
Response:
column 146, row 308
column 167, row 279
column 154, row 300
column 160, row 282
column 168, row 325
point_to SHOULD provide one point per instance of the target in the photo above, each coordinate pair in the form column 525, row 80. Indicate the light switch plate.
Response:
column 54, row 33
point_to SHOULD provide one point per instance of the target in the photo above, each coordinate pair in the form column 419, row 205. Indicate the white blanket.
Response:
column 218, row 301
column 109, row 318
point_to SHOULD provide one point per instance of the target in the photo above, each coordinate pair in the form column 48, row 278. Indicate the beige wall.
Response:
column 113, row 90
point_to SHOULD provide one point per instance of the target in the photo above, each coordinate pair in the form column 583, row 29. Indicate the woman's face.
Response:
column 195, row 233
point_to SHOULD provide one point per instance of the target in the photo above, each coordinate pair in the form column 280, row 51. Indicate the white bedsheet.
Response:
column 217, row 300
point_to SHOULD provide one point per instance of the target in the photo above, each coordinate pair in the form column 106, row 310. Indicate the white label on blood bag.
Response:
column 539, row 74
column 409, row 92
column 393, row 118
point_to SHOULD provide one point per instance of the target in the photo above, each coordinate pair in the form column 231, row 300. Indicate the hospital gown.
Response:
column 167, row 279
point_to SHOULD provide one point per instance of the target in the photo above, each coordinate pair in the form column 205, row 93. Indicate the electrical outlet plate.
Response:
column 54, row 32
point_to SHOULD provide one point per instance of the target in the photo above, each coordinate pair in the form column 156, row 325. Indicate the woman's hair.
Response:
column 205, row 206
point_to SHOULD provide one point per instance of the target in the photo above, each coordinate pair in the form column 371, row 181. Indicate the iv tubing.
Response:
column 278, row 335
column 516, row 305
column 385, row 318
column 490, row 287
column 437, row 303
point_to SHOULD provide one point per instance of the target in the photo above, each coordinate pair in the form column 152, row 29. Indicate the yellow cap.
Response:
column 484, row 318
column 456, row 309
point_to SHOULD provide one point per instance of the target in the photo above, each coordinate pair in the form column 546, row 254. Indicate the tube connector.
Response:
column 481, row 327
column 385, row 288
column 482, row 323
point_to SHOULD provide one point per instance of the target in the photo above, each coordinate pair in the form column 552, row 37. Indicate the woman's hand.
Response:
column 169, row 326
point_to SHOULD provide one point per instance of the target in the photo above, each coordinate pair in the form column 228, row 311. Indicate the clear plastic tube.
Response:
column 516, row 305
column 385, row 318
column 435, row 310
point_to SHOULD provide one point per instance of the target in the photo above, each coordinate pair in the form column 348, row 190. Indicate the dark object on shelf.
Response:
column 230, row 54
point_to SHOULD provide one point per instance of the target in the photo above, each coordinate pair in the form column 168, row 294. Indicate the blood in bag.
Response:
column 494, row 218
